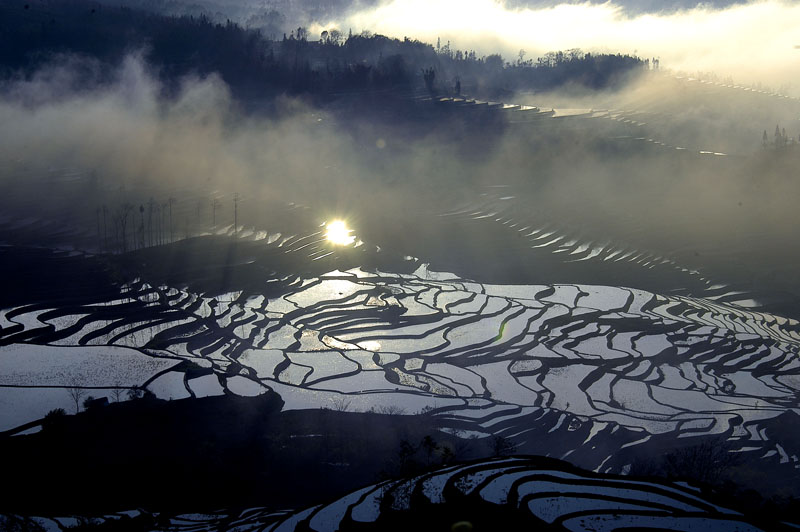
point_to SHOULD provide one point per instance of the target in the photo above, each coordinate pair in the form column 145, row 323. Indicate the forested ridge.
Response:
column 33, row 32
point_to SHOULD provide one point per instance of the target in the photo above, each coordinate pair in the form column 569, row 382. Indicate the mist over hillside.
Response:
column 200, row 136
column 340, row 280
column 751, row 42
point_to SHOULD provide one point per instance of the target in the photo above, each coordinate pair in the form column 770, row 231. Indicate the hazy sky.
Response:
column 750, row 41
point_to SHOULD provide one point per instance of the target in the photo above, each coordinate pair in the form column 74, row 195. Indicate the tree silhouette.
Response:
column 163, row 232
column 502, row 446
column 54, row 419
column 76, row 393
column 215, row 203
column 159, row 215
column 235, row 214
column 405, row 457
column 141, row 227
column 429, row 447
column 150, row 206
column 117, row 392
column 341, row 403
column 171, row 201
column 429, row 75
column 105, row 228
column 121, row 223
column 245, row 57
column 99, row 236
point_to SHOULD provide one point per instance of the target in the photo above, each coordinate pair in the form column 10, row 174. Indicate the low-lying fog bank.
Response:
column 675, row 167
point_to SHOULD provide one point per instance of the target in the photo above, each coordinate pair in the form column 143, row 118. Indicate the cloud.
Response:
column 141, row 143
column 752, row 42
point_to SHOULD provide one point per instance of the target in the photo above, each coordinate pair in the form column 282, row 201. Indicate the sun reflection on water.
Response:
column 338, row 233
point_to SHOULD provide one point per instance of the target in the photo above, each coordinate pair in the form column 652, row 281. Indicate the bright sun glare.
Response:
column 338, row 233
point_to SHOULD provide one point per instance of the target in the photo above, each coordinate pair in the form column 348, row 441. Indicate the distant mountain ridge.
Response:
column 90, row 38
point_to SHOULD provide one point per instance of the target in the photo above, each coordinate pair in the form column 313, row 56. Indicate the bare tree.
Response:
column 121, row 221
column 150, row 206
column 105, row 228
column 157, row 211
column 391, row 410
column 707, row 461
column 163, row 235
column 341, row 403
column 76, row 393
column 99, row 236
column 117, row 392
column 171, row 201
column 141, row 227
column 235, row 213
column 429, row 75
column 214, row 205
column 127, row 209
column 116, row 220
column 198, row 220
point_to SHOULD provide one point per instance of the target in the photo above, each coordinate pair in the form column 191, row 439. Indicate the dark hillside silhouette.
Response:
column 235, row 452
column 228, row 450
column 256, row 66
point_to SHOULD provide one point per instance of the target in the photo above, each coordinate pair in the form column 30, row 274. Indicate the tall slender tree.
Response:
column 171, row 202
column 141, row 227
column 150, row 205
column 99, row 236
column 124, row 211
column 163, row 235
column 235, row 214
column 214, row 205
column 76, row 393
column 105, row 228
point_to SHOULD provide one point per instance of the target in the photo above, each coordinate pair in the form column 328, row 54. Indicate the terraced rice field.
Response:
column 498, row 320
